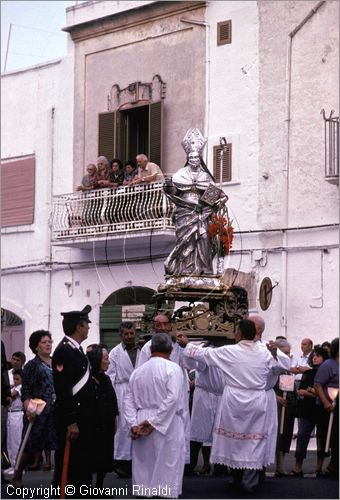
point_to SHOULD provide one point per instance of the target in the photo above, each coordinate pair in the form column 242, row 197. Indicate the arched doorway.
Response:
column 12, row 332
column 126, row 304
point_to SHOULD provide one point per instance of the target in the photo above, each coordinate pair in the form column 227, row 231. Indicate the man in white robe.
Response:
column 240, row 435
column 209, row 386
column 154, row 411
column 283, row 365
column 123, row 359
column 161, row 324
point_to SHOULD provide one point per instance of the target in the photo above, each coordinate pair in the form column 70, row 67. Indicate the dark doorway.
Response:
column 137, row 131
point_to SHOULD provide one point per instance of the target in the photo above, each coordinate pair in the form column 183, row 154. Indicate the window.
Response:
column 125, row 133
column 17, row 191
column 226, row 166
column 224, row 32
column 331, row 147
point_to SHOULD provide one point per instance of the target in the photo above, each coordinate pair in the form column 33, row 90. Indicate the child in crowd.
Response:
column 15, row 420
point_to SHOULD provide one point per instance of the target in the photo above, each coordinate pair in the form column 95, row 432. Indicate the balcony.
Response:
column 126, row 218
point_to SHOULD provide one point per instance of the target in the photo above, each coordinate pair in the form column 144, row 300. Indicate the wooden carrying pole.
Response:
column 66, row 460
column 283, row 413
column 332, row 394
column 22, row 447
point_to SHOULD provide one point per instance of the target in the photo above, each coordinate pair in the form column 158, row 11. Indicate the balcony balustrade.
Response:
column 110, row 213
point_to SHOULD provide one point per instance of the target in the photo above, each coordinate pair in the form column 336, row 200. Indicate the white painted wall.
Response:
column 30, row 127
column 232, row 102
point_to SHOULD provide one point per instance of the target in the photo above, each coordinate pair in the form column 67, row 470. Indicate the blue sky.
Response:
column 36, row 34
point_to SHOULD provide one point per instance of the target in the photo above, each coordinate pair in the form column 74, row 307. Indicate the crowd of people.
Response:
column 129, row 409
column 112, row 174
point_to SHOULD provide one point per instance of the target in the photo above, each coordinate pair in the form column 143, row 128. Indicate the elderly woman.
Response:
column 37, row 382
column 106, row 410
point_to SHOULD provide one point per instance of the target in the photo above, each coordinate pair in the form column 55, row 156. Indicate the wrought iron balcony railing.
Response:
column 110, row 212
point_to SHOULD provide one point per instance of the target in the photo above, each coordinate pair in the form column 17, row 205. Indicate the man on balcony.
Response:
column 147, row 171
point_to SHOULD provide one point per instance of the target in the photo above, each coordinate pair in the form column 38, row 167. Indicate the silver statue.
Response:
column 193, row 191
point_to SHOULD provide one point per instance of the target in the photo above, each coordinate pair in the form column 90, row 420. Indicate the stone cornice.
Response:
column 127, row 19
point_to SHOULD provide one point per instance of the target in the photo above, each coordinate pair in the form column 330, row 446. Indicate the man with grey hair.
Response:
column 301, row 363
column 147, row 171
column 123, row 359
column 161, row 324
column 153, row 408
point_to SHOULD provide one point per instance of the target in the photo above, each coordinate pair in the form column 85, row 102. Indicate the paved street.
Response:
column 204, row 486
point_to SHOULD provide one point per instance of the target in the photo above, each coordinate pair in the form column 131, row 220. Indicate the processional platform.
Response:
column 212, row 311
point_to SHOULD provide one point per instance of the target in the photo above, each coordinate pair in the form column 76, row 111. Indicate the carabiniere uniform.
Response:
column 75, row 402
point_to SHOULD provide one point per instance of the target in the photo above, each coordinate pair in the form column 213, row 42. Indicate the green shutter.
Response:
column 155, row 132
column 110, row 320
column 110, row 316
column 106, row 135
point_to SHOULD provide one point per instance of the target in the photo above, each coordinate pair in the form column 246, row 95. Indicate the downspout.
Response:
column 49, row 280
column 207, row 88
column 288, row 88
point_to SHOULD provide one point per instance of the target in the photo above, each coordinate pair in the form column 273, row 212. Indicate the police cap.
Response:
column 76, row 316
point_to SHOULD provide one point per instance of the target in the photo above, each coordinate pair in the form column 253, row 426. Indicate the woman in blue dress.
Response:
column 38, row 383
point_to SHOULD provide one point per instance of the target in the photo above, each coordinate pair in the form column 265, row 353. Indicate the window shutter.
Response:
column 110, row 320
column 106, row 135
column 224, row 32
column 155, row 132
column 227, row 163
column 120, row 138
column 17, row 191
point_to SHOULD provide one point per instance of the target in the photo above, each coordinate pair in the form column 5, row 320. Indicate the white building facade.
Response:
column 257, row 74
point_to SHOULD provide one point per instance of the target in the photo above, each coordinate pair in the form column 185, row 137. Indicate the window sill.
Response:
column 17, row 229
column 230, row 183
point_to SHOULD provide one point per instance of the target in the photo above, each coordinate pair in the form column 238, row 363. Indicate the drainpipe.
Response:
column 49, row 275
column 288, row 88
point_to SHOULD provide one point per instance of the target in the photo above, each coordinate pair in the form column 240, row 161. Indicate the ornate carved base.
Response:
column 213, row 309
column 204, row 282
